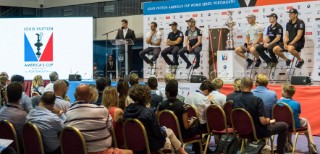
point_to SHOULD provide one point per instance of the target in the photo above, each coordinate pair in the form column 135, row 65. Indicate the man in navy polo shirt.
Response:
column 273, row 42
column 294, row 38
column 175, row 43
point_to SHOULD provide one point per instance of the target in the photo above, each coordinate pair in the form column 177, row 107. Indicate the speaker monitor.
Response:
column 300, row 80
column 197, row 78
column 75, row 77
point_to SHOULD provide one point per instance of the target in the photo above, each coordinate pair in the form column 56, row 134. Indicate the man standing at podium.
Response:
column 126, row 33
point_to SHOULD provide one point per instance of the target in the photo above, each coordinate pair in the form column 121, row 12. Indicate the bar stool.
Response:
column 152, row 68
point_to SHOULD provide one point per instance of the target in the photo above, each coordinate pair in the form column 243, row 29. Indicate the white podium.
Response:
column 229, row 65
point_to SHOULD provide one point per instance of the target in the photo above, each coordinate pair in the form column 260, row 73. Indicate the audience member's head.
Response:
column 217, row 83
column 67, row 83
column 172, row 89
column 17, row 78
column 53, row 76
column 83, row 93
column 246, row 84
column 123, row 87
column 206, row 87
column 4, row 78
column 262, row 80
column 110, row 97
column 153, row 83
column 288, row 91
column 168, row 77
column 134, row 79
column 237, row 85
column 37, row 81
column 14, row 92
column 140, row 94
column 94, row 93
column 60, row 88
column 102, row 83
column 47, row 100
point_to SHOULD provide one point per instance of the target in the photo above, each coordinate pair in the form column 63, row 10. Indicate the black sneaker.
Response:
column 188, row 66
column 196, row 66
column 250, row 62
column 288, row 62
column 300, row 63
column 258, row 63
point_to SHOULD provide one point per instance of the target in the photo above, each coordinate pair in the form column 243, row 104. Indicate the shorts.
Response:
column 303, row 122
column 276, row 44
column 108, row 151
column 244, row 49
column 298, row 46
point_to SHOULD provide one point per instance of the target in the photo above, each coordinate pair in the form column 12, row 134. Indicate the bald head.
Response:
column 83, row 93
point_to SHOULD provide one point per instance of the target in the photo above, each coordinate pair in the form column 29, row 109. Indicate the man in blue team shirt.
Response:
column 287, row 93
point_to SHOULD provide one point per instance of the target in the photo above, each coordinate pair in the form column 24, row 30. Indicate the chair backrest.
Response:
column 169, row 119
column 114, row 138
column 216, row 118
column 135, row 136
column 32, row 140
column 242, row 123
column 192, row 112
column 7, row 131
column 72, row 141
column 228, row 107
column 282, row 112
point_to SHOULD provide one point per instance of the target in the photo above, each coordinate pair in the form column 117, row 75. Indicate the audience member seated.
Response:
column 159, row 137
column 53, row 76
column 110, row 100
column 60, row 90
column 237, row 90
column 25, row 101
column 219, row 98
column 94, row 94
column 200, row 100
column 123, row 90
column 93, row 121
column 12, row 111
column 264, row 126
column 287, row 93
column 188, row 128
column 3, row 84
column 101, row 84
column 37, row 85
column 155, row 98
column 67, row 98
column 167, row 78
column 134, row 79
column 269, row 97
column 49, row 121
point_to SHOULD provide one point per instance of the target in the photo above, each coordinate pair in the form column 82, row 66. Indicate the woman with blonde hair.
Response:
column 37, row 85
column 94, row 94
column 110, row 100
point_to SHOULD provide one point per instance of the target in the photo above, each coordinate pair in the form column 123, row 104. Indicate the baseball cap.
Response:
column 293, row 10
column 251, row 16
column 191, row 20
column 273, row 15
column 173, row 23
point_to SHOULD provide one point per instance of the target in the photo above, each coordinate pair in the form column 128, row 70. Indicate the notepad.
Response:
column 4, row 143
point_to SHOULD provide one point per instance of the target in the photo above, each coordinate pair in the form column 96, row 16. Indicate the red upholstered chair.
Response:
column 114, row 138
column 169, row 119
column 192, row 112
column 228, row 107
column 7, row 131
column 117, row 135
column 242, row 123
column 32, row 139
column 216, row 122
column 135, row 137
column 282, row 112
column 72, row 141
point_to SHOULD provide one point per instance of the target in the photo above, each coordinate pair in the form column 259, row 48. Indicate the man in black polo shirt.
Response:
column 264, row 126
column 294, row 38
column 273, row 41
column 193, row 43
column 175, row 43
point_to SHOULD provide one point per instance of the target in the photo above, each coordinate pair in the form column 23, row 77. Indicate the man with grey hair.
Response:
column 53, row 77
column 60, row 89
column 254, row 36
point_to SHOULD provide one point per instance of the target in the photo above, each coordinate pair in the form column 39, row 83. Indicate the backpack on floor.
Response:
column 228, row 144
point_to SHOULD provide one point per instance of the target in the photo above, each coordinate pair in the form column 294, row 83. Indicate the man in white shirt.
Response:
column 218, row 98
column 200, row 100
column 153, row 40
column 254, row 37
column 60, row 90
column 53, row 77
